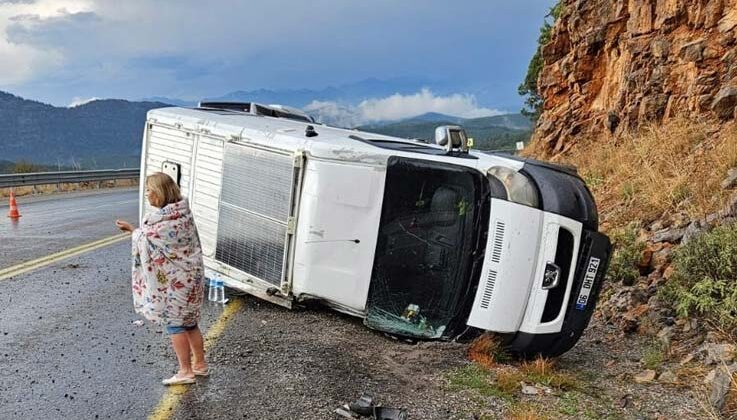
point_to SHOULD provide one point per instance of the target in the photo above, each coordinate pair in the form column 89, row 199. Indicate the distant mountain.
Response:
column 489, row 133
column 99, row 134
column 170, row 101
column 351, row 93
column 435, row 117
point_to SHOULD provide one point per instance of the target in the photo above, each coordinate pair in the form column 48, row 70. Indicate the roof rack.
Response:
column 276, row 111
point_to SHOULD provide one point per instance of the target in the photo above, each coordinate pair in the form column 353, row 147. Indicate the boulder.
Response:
column 718, row 353
column 731, row 180
column 660, row 48
column 662, row 258
column 529, row 390
column 645, row 376
column 725, row 102
column 667, row 377
column 720, row 382
column 645, row 259
column 695, row 229
column 728, row 22
column 693, row 51
column 671, row 235
column 653, row 107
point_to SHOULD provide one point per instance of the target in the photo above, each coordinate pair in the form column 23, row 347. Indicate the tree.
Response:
column 24, row 167
column 529, row 89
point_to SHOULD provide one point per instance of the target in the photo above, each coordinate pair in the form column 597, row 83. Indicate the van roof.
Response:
column 292, row 135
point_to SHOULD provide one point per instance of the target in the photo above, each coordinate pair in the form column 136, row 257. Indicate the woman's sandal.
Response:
column 177, row 380
column 203, row 372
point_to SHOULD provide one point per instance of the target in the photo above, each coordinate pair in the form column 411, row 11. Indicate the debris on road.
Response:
column 364, row 407
column 384, row 413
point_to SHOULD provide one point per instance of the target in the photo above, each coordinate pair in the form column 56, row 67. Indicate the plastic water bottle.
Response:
column 220, row 291
column 211, row 289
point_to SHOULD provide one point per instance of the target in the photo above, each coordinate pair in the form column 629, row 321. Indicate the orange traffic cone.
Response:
column 13, row 213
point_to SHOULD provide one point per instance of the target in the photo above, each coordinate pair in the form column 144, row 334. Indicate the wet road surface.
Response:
column 54, row 223
column 68, row 348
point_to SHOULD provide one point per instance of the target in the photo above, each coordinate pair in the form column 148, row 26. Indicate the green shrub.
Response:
column 704, row 280
column 654, row 355
column 627, row 254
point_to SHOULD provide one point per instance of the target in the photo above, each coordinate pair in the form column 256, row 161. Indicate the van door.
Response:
column 257, row 208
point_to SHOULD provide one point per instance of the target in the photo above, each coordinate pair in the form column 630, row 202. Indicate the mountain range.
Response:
column 99, row 134
column 350, row 93
column 499, row 132
column 107, row 133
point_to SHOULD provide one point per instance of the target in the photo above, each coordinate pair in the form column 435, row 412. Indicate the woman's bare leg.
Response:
column 180, row 342
column 197, row 345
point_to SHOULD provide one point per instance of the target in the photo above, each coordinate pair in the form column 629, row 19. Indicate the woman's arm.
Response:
column 124, row 226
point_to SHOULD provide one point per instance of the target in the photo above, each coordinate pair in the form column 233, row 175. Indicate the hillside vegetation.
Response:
column 99, row 134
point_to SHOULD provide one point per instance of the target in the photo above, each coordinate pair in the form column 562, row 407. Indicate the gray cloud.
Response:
column 57, row 31
column 139, row 48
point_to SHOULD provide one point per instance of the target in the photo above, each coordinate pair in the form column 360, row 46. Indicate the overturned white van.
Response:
column 420, row 240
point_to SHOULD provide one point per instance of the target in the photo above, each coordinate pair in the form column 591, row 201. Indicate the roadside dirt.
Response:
column 272, row 363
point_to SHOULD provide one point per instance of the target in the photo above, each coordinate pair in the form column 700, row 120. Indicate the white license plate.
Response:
column 588, row 283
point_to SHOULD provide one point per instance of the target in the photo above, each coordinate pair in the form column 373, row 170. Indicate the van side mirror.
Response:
column 451, row 137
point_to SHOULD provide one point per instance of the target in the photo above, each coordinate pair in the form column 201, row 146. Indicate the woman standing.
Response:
column 168, row 274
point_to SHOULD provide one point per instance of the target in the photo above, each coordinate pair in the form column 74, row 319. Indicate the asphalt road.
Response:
column 54, row 223
column 69, row 349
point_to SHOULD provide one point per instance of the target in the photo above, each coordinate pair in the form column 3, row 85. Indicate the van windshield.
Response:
column 431, row 238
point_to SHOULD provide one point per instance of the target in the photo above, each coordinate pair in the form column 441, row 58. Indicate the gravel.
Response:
column 273, row 363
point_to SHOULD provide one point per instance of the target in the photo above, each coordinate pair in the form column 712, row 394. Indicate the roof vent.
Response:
column 310, row 131
column 275, row 111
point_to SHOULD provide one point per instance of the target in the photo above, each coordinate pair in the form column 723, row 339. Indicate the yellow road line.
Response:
column 173, row 395
column 50, row 259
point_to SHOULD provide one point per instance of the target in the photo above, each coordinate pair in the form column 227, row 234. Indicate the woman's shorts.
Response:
column 178, row 330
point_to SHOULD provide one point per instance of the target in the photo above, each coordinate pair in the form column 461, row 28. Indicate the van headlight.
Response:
column 519, row 188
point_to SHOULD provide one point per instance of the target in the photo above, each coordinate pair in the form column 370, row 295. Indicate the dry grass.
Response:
column 509, row 382
column 543, row 371
column 487, row 351
column 674, row 167
column 730, row 404
column 526, row 412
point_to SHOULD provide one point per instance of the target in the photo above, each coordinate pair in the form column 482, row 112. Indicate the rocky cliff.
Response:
column 613, row 65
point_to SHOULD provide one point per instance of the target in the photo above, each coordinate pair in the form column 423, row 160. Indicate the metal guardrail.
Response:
column 65, row 177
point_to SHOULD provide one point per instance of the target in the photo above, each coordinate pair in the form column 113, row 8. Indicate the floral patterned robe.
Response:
column 168, row 274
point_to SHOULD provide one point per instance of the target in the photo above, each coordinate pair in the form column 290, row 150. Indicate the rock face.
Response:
column 614, row 65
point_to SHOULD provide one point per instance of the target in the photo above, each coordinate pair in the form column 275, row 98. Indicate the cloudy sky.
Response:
column 468, row 55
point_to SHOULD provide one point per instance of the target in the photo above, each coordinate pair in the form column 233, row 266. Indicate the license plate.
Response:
column 588, row 283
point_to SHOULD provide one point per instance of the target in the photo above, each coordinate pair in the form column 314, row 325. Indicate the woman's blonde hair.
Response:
column 164, row 187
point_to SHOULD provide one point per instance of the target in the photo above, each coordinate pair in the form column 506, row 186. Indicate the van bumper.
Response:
column 595, row 251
